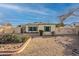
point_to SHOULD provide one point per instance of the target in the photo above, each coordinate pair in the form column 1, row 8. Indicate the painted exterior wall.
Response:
column 26, row 28
column 41, row 27
column 61, row 30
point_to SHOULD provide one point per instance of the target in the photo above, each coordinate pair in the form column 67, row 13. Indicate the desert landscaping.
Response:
column 63, row 41
column 28, row 34
column 66, row 45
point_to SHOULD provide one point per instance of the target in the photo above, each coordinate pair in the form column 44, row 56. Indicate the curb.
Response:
column 17, row 50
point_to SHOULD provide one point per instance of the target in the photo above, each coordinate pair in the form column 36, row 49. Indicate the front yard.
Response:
column 51, row 46
column 39, row 45
column 12, row 43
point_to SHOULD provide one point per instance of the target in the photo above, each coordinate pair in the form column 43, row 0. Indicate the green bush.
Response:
column 12, row 38
column 25, row 38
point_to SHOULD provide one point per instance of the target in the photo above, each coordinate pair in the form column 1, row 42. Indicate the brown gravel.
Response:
column 50, row 46
column 9, row 47
column 43, row 46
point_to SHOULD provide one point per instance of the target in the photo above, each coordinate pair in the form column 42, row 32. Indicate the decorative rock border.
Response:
column 16, row 50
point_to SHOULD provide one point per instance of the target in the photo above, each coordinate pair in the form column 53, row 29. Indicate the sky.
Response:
column 23, row 13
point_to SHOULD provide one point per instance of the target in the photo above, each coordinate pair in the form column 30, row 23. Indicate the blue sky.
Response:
column 28, row 13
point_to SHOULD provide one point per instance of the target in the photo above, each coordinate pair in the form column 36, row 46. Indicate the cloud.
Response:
column 29, row 13
column 9, row 6
column 35, row 11
column 22, row 9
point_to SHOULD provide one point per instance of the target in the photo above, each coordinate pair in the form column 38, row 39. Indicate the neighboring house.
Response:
column 36, row 27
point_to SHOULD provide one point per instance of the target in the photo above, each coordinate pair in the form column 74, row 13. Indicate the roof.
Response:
column 40, row 23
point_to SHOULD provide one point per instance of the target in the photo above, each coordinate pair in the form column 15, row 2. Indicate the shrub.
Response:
column 25, row 38
column 12, row 38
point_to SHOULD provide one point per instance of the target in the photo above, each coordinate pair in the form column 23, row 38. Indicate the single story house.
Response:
column 47, row 28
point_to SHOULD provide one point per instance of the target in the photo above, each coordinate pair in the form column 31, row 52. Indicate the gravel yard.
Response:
column 50, row 46
column 10, row 47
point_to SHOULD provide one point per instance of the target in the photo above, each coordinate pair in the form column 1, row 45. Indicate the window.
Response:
column 32, row 28
column 47, row 28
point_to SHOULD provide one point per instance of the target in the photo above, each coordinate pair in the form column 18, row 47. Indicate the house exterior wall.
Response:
column 62, row 30
column 52, row 29
column 41, row 27
column 27, row 28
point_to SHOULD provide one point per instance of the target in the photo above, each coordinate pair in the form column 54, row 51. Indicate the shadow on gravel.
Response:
column 73, row 48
